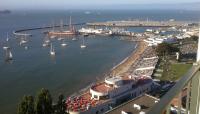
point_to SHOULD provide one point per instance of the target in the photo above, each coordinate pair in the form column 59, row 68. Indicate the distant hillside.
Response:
column 5, row 11
column 177, row 6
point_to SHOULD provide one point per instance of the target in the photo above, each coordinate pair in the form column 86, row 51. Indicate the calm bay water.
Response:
column 72, row 68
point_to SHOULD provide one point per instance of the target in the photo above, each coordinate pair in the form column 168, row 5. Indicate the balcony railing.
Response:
column 191, row 81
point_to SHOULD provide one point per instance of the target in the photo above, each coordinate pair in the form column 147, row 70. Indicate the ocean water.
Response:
column 72, row 68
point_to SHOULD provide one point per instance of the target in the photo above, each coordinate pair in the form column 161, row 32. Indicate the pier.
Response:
column 138, row 23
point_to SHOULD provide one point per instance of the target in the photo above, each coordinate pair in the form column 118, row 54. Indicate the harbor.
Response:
column 80, row 62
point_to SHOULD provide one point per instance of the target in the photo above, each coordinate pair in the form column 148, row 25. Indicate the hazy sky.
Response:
column 76, row 4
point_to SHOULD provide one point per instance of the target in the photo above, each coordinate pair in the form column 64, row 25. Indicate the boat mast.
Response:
column 61, row 25
column 7, row 38
column 53, row 26
column 83, row 41
column 70, row 24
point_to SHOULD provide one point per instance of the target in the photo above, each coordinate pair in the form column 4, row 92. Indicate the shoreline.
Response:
column 124, row 65
column 119, row 69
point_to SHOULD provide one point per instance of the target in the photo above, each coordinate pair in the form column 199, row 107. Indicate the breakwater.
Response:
column 18, row 32
column 139, row 23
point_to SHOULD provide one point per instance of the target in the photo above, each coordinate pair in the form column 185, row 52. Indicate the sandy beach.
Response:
column 125, row 65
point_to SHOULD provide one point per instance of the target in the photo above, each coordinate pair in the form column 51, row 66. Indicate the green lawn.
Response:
column 174, row 71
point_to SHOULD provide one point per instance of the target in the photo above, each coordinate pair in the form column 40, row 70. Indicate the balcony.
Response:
column 190, row 81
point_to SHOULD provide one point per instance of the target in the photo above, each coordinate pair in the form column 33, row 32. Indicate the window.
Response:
column 95, row 96
column 104, row 97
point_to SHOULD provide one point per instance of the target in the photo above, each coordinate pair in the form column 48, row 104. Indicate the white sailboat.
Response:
column 9, row 55
column 60, row 38
column 52, row 51
column 52, row 37
column 26, row 47
column 63, row 43
column 7, row 39
column 53, row 30
column 46, row 42
column 5, row 47
column 83, row 44
column 23, row 40
column 74, row 38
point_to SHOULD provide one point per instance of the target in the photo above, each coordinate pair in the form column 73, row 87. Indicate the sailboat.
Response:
column 60, row 38
column 83, row 44
column 63, row 43
column 7, row 39
column 46, row 41
column 9, row 55
column 53, row 36
column 26, row 47
column 23, row 40
column 52, row 51
column 74, row 38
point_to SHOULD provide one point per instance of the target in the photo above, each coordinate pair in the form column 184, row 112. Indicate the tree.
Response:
column 43, row 103
column 164, row 49
column 195, row 38
column 26, row 106
column 60, row 106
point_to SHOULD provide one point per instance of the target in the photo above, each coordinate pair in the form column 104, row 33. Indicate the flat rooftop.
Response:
column 146, row 102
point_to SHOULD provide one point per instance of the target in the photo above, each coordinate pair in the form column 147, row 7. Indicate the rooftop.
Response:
column 83, row 101
column 145, row 102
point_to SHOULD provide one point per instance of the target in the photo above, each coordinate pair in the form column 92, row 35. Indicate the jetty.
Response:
column 19, row 32
column 138, row 23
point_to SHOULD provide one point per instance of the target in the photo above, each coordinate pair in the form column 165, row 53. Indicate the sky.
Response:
column 78, row 4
